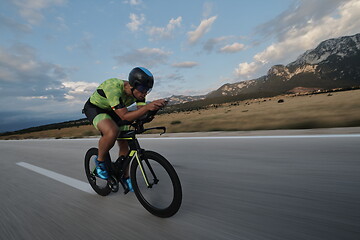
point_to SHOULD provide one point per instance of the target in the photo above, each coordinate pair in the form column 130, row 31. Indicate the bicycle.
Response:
column 154, row 180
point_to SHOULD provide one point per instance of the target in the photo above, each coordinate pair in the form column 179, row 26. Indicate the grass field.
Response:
column 327, row 110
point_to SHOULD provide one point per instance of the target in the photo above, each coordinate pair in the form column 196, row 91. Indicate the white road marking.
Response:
column 72, row 182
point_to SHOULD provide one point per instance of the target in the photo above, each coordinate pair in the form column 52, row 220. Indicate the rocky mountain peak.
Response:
column 338, row 47
column 277, row 70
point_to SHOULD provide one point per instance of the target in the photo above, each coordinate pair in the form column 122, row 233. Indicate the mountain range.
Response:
column 178, row 99
column 334, row 63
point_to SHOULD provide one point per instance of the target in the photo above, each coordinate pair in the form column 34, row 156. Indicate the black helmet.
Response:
column 141, row 78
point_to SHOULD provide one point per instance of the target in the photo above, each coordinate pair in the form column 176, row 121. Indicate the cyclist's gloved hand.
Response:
column 156, row 105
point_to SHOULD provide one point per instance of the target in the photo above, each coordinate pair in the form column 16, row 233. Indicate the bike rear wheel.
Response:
column 163, row 198
column 99, row 185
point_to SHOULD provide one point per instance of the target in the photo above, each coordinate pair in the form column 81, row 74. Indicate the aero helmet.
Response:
column 141, row 78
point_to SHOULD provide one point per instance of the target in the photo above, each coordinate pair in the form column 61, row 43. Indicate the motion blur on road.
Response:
column 304, row 187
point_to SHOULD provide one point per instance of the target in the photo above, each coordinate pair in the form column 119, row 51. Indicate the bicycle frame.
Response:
column 135, row 151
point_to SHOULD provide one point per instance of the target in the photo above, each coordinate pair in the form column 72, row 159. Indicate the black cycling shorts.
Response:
column 95, row 114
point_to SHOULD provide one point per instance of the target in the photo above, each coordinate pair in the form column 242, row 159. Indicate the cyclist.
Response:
column 107, row 110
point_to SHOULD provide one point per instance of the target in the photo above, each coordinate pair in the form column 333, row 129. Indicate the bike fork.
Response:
column 156, row 180
column 134, row 154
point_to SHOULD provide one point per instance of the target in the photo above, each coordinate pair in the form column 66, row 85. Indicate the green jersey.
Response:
column 110, row 95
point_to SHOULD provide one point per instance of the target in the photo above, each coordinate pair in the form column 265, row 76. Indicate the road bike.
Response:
column 154, row 180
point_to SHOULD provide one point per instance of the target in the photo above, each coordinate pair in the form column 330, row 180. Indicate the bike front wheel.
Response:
column 156, row 184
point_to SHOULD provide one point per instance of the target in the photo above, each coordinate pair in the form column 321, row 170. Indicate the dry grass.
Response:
column 340, row 109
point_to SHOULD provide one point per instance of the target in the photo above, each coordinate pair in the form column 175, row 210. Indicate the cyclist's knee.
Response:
column 112, row 133
column 108, row 129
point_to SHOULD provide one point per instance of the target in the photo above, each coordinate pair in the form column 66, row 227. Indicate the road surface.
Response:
column 281, row 187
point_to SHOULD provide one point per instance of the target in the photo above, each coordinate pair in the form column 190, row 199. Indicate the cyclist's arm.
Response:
column 124, row 114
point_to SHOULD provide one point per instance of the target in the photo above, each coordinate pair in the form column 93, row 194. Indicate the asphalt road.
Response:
column 233, row 188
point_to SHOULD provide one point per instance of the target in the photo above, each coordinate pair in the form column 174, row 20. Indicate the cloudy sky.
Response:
column 54, row 53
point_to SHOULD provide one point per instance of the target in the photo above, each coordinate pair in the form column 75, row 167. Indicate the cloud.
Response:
column 136, row 22
column 214, row 42
column 235, row 47
column 19, row 66
column 13, row 25
column 147, row 57
column 23, row 76
column 133, row 2
column 31, row 10
column 229, row 46
column 298, row 16
column 79, row 91
column 185, row 64
column 343, row 21
column 246, row 69
column 165, row 32
column 204, row 27
column 39, row 91
column 307, row 28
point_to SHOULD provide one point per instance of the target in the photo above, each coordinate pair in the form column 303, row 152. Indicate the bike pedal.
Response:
column 113, row 184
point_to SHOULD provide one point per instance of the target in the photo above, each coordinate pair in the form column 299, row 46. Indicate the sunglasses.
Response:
column 143, row 89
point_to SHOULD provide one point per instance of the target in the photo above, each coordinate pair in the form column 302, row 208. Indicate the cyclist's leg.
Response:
column 103, row 122
column 123, row 144
column 123, row 151
column 109, row 131
column 123, row 147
